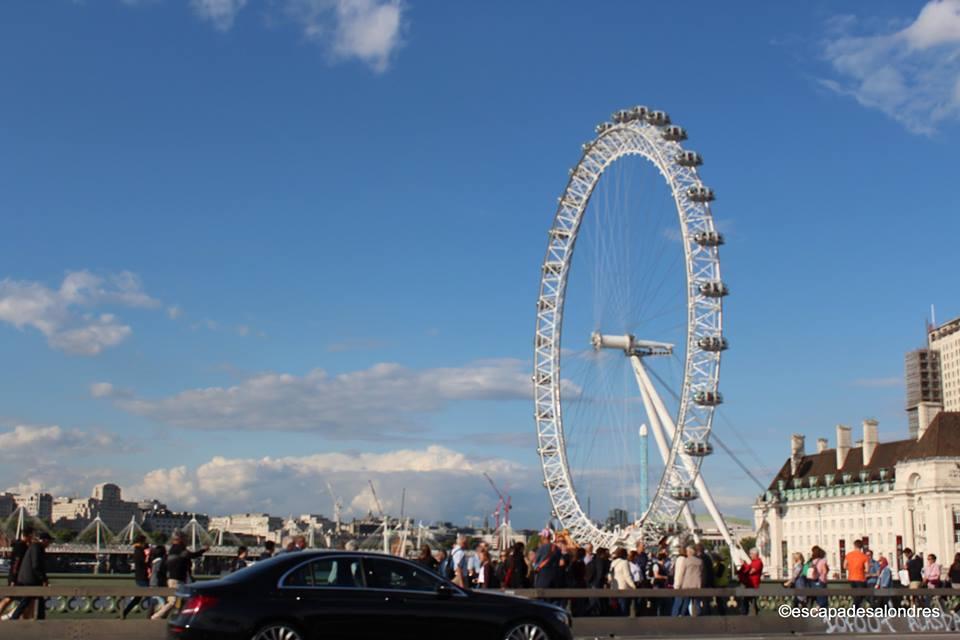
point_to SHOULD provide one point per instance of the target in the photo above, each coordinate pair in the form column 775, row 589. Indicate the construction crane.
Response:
column 503, row 528
column 386, row 522
column 337, row 506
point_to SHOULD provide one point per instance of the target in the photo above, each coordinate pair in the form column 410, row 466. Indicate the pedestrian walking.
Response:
column 240, row 560
column 459, row 562
column 750, row 574
column 884, row 580
column 721, row 580
column 426, row 558
column 688, row 574
column 269, row 548
column 620, row 579
column 547, row 562
column 17, row 551
column 708, row 577
column 855, row 564
column 141, row 572
column 820, row 574
column 660, row 579
column 179, row 561
column 33, row 573
column 797, row 579
column 516, row 577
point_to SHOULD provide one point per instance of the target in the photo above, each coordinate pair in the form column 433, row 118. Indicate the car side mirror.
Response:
column 444, row 591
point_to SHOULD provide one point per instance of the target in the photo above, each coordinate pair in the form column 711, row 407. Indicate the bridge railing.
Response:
column 109, row 598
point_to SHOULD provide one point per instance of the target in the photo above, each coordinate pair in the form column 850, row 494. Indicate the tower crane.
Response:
column 503, row 528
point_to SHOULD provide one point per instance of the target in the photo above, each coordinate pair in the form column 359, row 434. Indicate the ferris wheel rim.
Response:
column 648, row 139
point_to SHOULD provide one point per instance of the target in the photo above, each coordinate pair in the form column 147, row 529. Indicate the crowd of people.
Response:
column 555, row 563
column 559, row 563
column 865, row 570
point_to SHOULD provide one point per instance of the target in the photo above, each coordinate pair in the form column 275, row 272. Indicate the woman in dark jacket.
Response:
column 426, row 558
column 516, row 577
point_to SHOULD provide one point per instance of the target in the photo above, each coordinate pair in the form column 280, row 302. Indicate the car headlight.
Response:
column 563, row 617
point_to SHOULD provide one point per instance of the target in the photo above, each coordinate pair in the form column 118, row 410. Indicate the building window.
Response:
column 956, row 527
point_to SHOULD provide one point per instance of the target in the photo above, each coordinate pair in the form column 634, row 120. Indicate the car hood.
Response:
column 485, row 595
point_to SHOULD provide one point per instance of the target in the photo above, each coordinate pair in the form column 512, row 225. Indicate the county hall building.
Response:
column 904, row 493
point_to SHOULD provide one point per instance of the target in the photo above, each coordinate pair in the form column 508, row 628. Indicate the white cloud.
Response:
column 912, row 74
column 63, row 315
column 220, row 13
column 24, row 441
column 371, row 403
column 366, row 30
column 440, row 482
column 174, row 312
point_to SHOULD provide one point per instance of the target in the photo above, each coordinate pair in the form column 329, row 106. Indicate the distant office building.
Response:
column 945, row 340
column 39, row 505
column 618, row 518
column 924, row 393
column 8, row 504
column 107, row 502
column 72, row 514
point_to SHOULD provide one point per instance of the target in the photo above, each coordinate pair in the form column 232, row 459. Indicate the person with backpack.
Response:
column 797, row 579
column 444, row 565
column 818, row 573
column 179, row 559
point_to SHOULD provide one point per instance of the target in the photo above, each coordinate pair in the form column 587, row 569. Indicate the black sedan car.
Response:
column 339, row 594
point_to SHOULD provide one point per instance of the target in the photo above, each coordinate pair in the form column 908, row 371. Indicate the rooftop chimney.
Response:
column 843, row 444
column 870, row 439
column 796, row 452
column 822, row 445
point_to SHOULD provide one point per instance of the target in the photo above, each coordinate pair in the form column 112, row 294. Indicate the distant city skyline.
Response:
column 251, row 249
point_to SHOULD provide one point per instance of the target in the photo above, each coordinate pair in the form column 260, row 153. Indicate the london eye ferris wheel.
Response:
column 636, row 319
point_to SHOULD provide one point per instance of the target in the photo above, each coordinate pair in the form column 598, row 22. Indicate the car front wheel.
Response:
column 277, row 631
column 526, row 631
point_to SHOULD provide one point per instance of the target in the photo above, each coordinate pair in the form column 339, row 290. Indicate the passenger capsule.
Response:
column 698, row 449
column 658, row 118
column 684, row 493
column 712, row 343
column 708, row 238
column 713, row 289
column 700, row 193
column 708, row 398
column 603, row 127
column 689, row 159
column 675, row 134
column 624, row 115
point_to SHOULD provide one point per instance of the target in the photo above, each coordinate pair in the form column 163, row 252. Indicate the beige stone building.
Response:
column 945, row 339
column 905, row 491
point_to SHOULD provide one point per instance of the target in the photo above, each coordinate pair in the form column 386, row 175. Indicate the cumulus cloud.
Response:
column 365, row 30
column 220, row 13
column 383, row 400
column 65, row 315
column 911, row 74
column 24, row 441
column 440, row 482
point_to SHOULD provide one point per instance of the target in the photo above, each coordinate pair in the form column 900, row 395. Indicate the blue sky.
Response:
column 250, row 246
